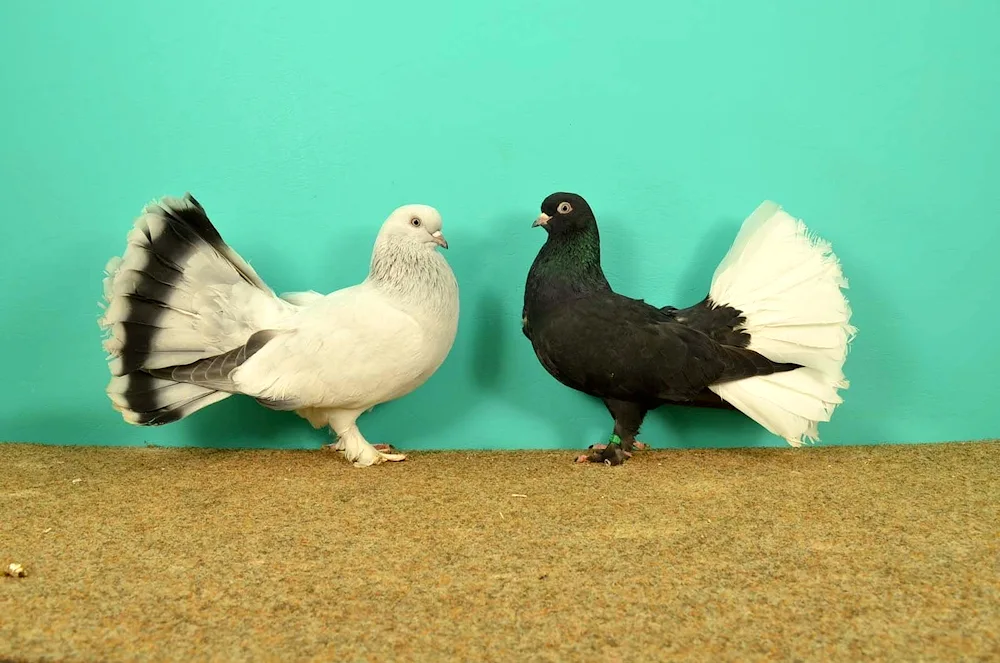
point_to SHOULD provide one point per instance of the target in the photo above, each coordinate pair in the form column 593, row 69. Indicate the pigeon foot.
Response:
column 379, row 458
column 609, row 455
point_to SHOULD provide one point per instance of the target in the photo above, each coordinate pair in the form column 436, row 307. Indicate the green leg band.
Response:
column 614, row 439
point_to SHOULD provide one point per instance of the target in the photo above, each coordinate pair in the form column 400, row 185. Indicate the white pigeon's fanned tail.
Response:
column 179, row 294
column 788, row 285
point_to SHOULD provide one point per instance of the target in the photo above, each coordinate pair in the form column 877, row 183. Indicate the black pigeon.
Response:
column 770, row 339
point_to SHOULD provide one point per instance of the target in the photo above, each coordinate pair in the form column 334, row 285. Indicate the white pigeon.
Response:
column 188, row 323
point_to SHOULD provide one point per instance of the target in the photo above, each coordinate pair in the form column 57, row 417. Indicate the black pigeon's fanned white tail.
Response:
column 179, row 294
column 788, row 286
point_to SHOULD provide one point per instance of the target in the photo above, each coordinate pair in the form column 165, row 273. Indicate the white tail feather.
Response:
column 178, row 340
column 787, row 284
column 178, row 294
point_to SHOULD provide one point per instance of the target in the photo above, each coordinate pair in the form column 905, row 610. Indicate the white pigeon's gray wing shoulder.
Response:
column 350, row 349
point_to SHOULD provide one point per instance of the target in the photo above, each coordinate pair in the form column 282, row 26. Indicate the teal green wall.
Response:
column 300, row 125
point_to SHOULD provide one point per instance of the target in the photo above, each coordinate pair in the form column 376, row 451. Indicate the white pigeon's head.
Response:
column 420, row 224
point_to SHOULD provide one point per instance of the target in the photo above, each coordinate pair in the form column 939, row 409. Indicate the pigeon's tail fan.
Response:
column 788, row 286
column 169, row 301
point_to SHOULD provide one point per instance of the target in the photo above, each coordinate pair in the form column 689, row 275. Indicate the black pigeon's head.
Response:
column 565, row 213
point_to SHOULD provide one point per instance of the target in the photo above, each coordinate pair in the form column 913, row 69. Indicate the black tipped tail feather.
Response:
column 145, row 400
column 158, row 313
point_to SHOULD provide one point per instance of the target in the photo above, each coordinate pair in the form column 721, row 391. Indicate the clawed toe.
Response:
column 379, row 459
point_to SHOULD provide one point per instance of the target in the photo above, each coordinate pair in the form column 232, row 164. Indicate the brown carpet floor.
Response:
column 820, row 554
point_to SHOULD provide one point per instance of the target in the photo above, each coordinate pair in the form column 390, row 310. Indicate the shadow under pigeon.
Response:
column 696, row 278
column 490, row 352
column 501, row 363
column 503, row 370
column 241, row 422
column 618, row 251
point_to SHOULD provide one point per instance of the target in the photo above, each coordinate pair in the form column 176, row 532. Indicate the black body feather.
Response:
column 632, row 355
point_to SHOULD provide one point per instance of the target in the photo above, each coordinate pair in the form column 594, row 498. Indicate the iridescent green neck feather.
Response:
column 567, row 266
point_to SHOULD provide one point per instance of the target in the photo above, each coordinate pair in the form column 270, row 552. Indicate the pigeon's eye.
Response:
column 564, row 208
column 415, row 222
